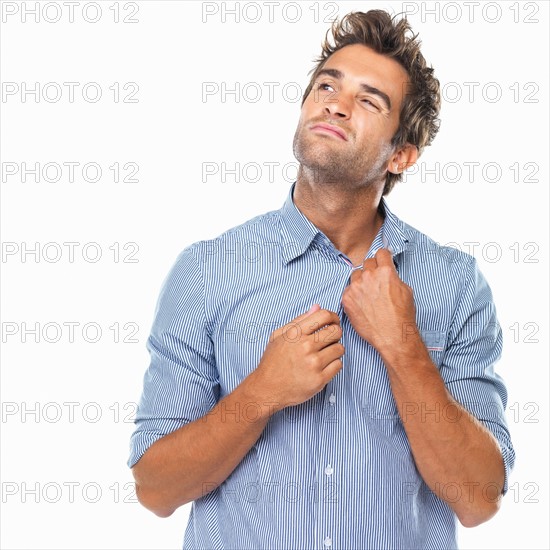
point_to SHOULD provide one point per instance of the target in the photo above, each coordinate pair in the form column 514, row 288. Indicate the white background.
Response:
column 169, row 132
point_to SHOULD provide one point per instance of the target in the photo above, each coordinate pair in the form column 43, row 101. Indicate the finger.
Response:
column 331, row 353
column 370, row 264
column 328, row 335
column 328, row 355
column 331, row 370
column 355, row 275
column 384, row 258
column 312, row 309
column 317, row 320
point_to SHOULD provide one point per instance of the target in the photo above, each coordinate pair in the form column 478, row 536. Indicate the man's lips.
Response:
column 330, row 129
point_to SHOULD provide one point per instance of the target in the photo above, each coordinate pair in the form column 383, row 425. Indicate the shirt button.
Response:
column 327, row 542
column 329, row 470
column 332, row 399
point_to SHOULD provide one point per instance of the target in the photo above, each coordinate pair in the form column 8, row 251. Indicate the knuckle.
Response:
column 309, row 346
column 366, row 275
column 313, row 362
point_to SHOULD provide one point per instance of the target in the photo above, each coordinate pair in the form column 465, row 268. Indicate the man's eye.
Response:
column 325, row 86
column 369, row 103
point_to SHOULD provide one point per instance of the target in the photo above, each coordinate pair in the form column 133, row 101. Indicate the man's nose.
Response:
column 338, row 105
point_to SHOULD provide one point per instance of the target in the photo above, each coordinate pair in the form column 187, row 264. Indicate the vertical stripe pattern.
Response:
column 335, row 472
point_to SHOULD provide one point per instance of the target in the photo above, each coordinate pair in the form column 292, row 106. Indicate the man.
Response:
column 337, row 390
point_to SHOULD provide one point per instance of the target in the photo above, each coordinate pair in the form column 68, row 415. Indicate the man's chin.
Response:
column 325, row 169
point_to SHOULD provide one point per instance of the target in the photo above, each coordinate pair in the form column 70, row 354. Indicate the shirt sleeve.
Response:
column 474, row 346
column 181, row 383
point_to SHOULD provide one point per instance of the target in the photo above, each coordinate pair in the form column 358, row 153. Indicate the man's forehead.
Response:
column 366, row 59
column 363, row 63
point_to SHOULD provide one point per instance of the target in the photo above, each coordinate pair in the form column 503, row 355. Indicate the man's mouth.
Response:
column 330, row 129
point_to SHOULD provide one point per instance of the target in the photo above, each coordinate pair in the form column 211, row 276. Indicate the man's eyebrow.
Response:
column 339, row 75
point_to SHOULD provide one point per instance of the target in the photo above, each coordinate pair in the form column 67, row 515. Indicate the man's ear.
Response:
column 402, row 159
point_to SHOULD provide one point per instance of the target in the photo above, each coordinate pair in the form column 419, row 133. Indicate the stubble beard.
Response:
column 324, row 164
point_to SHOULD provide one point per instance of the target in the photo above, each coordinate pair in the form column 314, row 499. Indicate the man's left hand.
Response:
column 380, row 306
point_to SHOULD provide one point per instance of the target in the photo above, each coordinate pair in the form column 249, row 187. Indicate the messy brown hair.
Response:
column 392, row 37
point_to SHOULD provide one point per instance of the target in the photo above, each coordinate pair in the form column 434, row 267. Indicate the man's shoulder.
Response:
column 427, row 250
column 261, row 230
column 443, row 271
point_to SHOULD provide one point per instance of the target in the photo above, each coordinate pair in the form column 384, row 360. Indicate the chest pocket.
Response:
column 435, row 342
column 370, row 374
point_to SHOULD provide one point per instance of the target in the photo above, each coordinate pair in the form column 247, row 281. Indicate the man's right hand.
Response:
column 300, row 359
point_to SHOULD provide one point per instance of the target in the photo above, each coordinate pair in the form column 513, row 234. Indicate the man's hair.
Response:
column 392, row 37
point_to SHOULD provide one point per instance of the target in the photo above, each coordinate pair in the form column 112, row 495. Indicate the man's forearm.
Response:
column 191, row 461
column 458, row 458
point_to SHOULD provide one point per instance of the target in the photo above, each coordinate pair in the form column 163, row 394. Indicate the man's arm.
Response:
column 450, row 450
column 194, row 459
column 190, row 462
column 458, row 458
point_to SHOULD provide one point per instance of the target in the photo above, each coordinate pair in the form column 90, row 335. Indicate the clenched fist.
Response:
column 380, row 305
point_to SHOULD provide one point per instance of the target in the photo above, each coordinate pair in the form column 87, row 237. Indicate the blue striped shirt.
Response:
column 336, row 471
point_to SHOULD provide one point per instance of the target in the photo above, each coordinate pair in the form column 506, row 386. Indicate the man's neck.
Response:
column 349, row 217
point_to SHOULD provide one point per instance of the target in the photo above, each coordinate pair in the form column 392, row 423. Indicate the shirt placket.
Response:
column 329, row 465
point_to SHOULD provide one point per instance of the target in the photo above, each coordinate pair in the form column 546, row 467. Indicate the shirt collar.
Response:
column 298, row 232
column 393, row 230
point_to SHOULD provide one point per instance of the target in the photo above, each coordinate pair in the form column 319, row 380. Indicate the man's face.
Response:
column 359, row 94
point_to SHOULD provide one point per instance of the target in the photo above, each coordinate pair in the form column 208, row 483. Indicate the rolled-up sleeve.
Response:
column 181, row 383
column 468, row 365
